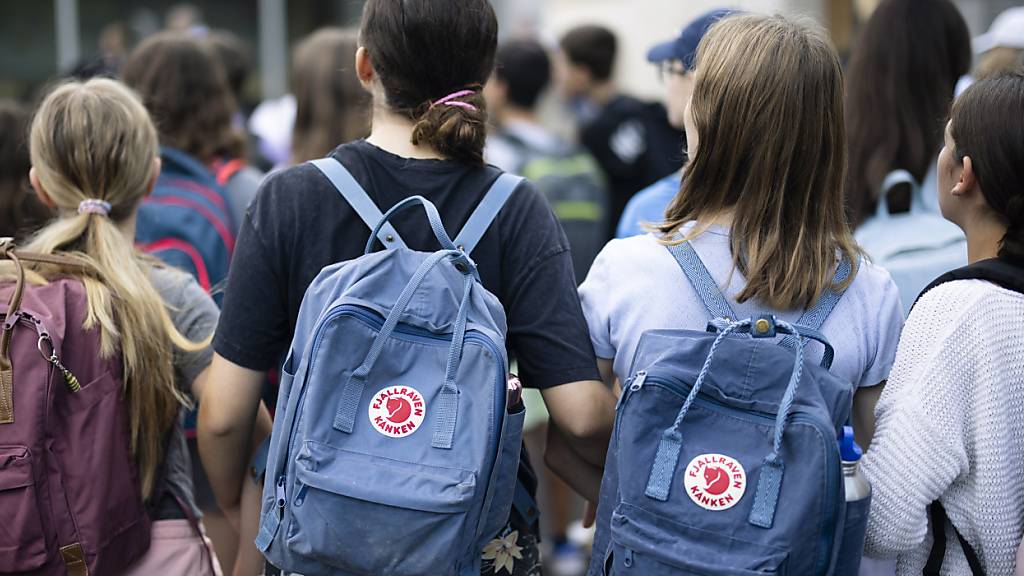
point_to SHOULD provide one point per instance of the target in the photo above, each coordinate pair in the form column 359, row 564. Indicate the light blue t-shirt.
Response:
column 648, row 205
column 636, row 285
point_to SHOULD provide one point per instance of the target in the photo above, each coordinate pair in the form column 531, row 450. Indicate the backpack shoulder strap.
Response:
column 995, row 270
column 703, row 283
column 359, row 200
column 815, row 316
column 937, row 515
column 487, row 211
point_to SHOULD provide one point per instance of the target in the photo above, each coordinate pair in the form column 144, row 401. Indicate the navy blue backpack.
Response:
column 186, row 221
column 724, row 458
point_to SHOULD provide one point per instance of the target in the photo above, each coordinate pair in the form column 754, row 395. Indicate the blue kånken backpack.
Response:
column 724, row 458
column 393, row 452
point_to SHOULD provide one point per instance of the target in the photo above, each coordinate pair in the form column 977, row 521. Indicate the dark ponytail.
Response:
column 424, row 51
column 987, row 125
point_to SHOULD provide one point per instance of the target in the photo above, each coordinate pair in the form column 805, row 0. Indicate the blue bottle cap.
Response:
column 849, row 451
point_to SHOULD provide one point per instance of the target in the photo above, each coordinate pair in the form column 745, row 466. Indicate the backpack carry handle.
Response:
column 432, row 216
column 766, row 326
column 892, row 180
column 666, row 459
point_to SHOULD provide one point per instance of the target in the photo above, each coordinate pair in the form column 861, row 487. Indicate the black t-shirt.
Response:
column 299, row 224
column 635, row 146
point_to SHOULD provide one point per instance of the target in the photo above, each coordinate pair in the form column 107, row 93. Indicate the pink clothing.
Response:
column 176, row 550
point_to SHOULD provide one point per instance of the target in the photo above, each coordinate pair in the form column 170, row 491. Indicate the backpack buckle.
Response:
column 763, row 326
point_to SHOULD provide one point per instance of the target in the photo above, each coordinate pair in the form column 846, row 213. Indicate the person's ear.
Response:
column 968, row 179
column 33, row 179
column 364, row 67
column 157, row 165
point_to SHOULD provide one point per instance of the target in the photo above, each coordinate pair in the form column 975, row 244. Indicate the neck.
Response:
column 393, row 133
column 127, row 226
column 513, row 114
column 602, row 93
column 984, row 237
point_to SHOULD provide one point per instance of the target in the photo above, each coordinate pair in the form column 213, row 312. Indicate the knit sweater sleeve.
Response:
column 919, row 446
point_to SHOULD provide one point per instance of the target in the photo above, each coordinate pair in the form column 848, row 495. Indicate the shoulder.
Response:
column 633, row 253
column 872, row 283
column 177, row 288
column 964, row 302
column 657, row 194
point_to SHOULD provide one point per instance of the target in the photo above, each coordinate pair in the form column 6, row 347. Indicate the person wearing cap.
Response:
column 675, row 61
column 1000, row 50
column 631, row 140
column 1002, row 47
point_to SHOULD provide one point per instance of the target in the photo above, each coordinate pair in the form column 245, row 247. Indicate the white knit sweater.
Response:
column 950, row 426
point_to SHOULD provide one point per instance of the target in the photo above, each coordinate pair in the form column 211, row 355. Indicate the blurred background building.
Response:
column 40, row 39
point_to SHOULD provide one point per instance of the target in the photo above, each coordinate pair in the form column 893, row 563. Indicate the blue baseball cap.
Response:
column 684, row 48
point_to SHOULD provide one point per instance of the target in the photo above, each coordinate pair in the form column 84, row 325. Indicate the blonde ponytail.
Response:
column 95, row 141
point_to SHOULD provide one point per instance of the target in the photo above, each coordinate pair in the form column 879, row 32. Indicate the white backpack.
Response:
column 916, row 247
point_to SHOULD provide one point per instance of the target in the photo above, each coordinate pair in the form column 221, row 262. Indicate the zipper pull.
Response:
column 280, row 497
column 628, row 560
column 638, row 381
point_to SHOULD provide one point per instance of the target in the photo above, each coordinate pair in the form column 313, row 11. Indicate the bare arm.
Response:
column 864, row 401
column 249, row 561
column 227, row 432
column 580, row 475
column 585, row 413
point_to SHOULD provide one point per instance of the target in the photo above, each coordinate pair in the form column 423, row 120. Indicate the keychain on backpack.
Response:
column 72, row 382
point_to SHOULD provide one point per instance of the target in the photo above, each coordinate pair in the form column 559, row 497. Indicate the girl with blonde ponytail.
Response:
column 94, row 157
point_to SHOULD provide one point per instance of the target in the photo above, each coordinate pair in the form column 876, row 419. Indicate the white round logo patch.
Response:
column 397, row 411
column 715, row 482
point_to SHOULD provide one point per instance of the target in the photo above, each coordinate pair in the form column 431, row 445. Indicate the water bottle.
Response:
column 858, row 503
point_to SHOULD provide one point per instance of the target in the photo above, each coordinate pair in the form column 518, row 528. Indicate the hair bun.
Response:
column 455, row 126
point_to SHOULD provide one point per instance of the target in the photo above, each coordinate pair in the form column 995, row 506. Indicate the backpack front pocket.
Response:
column 647, row 544
column 22, row 540
column 372, row 515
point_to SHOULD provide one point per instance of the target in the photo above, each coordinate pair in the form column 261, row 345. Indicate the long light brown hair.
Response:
column 95, row 140
column 767, row 105
column 331, row 106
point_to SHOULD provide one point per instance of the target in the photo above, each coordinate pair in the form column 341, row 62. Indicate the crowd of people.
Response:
column 196, row 232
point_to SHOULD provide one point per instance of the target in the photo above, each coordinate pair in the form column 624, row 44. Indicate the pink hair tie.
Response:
column 449, row 100
column 94, row 206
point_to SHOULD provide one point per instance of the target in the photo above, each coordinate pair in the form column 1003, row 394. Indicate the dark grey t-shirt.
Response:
column 194, row 315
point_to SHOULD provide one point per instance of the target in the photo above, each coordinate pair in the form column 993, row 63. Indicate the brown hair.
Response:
column 424, row 50
column 95, row 141
column 184, row 87
column 900, row 86
column 767, row 105
column 21, row 212
column 331, row 105
column 987, row 125
column 998, row 61
column 593, row 47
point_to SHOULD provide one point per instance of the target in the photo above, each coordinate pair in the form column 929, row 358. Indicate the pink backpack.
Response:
column 69, row 490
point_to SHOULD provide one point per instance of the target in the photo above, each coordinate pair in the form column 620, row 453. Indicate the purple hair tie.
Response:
column 94, row 206
column 449, row 100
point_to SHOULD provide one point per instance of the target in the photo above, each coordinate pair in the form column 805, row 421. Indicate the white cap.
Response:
column 1007, row 30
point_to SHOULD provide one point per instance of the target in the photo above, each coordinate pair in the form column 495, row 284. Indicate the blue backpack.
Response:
column 914, row 246
column 724, row 458
column 393, row 451
column 186, row 221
